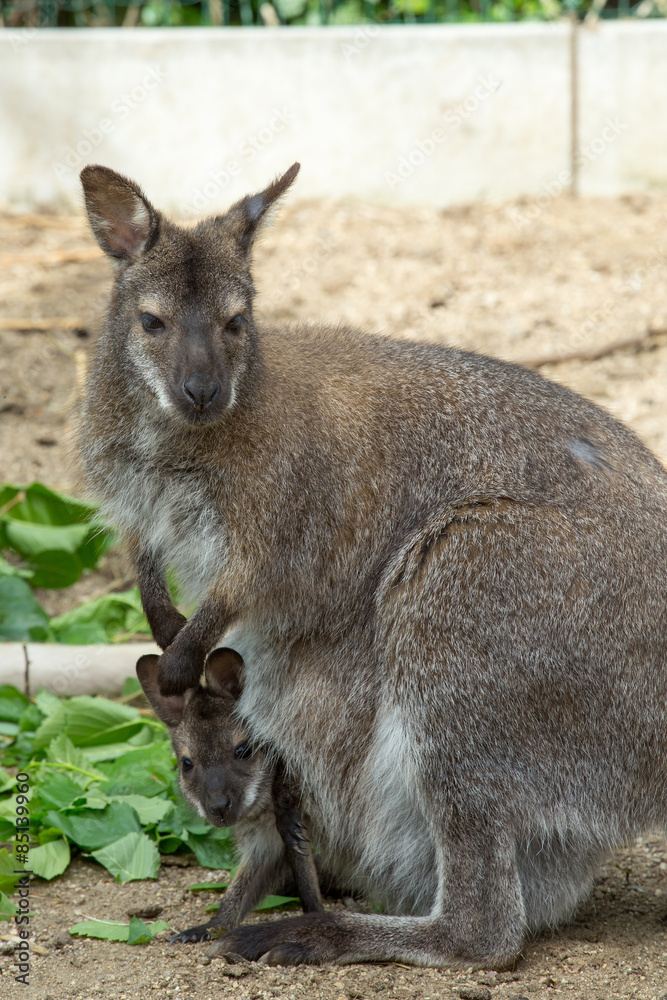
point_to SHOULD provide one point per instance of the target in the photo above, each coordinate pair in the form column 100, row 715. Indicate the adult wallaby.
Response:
column 231, row 782
column 445, row 574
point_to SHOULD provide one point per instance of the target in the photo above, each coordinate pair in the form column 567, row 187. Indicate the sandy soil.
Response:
column 578, row 277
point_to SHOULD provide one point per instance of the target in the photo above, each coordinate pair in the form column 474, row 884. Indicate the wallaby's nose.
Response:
column 200, row 389
column 218, row 805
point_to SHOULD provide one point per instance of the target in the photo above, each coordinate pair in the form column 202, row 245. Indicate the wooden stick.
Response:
column 55, row 257
column 46, row 323
column 642, row 342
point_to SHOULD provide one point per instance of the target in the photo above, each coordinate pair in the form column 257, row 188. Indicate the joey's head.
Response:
column 181, row 325
column 221, row 774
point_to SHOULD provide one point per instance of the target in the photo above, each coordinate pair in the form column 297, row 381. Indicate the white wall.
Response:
column 424, row 114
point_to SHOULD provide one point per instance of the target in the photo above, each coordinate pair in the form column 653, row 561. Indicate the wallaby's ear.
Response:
column 245, row 216
column 169, row 708
column 224, row 673
column 123, row 221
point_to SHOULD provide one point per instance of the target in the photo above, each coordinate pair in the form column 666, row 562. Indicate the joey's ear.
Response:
column 244, row 218
column 224, row 673
column 124, row 223
column 169, row 708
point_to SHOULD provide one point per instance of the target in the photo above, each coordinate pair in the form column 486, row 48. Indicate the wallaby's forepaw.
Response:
column 180, row 668
column 202, row 932
column 166, row 630
column 313, row 939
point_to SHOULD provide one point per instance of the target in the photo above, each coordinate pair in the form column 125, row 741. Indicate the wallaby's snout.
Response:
column 217, row 801
column 200, row 390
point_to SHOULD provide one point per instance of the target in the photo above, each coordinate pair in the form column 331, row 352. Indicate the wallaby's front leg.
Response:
column 164, row 620
column 250, row 884
column 297, row 846
column 182, row 663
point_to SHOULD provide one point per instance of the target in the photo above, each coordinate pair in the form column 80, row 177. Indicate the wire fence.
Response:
column 268, row 13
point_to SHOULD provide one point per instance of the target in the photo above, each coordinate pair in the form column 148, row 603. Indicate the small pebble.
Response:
column 475, row 993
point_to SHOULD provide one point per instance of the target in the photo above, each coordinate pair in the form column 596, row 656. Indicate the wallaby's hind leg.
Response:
column 478, row 920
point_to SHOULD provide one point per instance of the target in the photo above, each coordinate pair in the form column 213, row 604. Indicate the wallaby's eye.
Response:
column 186, row 764
column 151, row 323
column 235, row 324
column 243, row 751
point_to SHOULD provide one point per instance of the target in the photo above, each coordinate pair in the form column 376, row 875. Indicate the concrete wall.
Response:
column 426, row 114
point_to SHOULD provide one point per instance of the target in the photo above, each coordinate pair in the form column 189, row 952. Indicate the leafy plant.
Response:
column 49, row 540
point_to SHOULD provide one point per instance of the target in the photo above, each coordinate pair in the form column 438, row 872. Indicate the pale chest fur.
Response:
column 172, row 514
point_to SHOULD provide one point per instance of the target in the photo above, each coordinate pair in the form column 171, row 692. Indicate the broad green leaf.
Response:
column 65, row 757
column 141, row 933
column 89, row 722
column 22, row 618
column 131, row 686
column 7, row 829
column 214, row 850
column 94, row 828
column 8, row 909
column 55, row 568
column 275, row 902
column 44, row 506
column 82, row 634
column 29, row 540
column 60, row 791
column 150, row 811
column 46, row 702
column 134, row 856
column 50, row 859
column 7, row 780
column 115, row 613
column 12, row 703
column 8, row 728
column 114, row 930
column 145, row 770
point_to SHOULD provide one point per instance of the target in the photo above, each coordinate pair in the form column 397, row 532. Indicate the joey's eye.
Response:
column 186, row 764
column 235, row 324
column 151, row 323
column 243, row 751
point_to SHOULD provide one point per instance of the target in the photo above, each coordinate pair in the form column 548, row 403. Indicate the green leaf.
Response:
column 133, row 857
column 12, row 703
column 208, row 886
column 149, row 810
column 141, row 933
column 131, row 686
column 55, row 569
column 8, row 875
column 275, row 902
column 50, row 859
column 214, row 850
column 8, row 909
column 114, row 930
column 93, row 828
column 113, row 614
column 146, row 771
column 46, row 702
column 90, row 722
column 22, row 618
column 29, row 540
column 60, row 791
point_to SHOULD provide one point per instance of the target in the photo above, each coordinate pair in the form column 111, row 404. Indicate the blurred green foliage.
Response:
column 174, row 13
column 49, row 540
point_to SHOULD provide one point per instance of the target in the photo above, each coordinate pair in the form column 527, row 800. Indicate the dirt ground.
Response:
column 518, row 281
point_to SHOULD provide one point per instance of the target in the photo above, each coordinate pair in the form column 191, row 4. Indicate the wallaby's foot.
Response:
column 313, row 939
column 180, row 667
column 166, row 630
column 202, row 932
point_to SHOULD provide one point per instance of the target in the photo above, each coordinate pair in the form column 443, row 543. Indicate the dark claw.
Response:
column 200, row 933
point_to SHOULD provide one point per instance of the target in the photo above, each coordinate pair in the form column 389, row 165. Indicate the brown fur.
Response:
column 446, row 576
